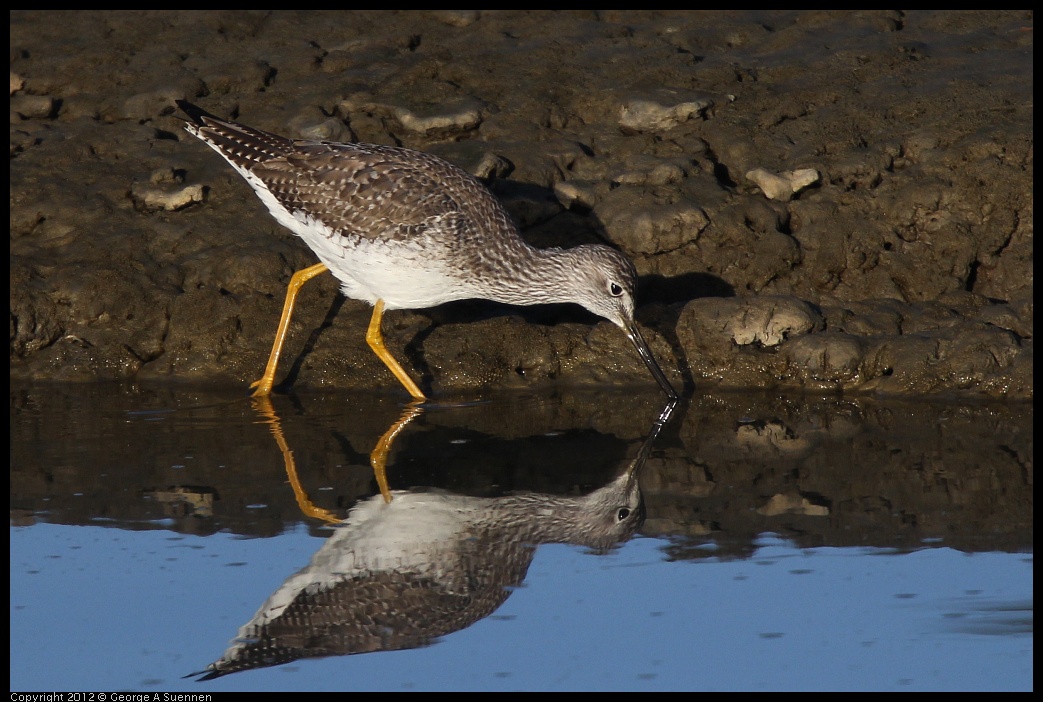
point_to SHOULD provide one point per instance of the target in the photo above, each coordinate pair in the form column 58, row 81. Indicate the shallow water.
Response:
column 787, row 543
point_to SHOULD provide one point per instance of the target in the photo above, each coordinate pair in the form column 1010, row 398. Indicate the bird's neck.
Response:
column 533, row 276
column 531, row 519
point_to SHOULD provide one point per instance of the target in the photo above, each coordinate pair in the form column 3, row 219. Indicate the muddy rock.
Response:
column 903, row 267
column 887, row 348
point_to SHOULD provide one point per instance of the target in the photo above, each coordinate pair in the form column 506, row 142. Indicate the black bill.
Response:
column 646, row 355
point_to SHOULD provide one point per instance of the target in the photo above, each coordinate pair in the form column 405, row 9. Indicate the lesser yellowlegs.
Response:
column 403, row 229
column 400, row 574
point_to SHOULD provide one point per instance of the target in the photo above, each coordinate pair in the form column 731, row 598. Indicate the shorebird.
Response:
column 403, row 229
column 399, row 573
column 402, row 574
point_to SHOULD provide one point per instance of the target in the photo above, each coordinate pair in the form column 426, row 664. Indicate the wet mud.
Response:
column 824, row 201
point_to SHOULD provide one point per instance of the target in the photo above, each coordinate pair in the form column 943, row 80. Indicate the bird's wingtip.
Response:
column 203, row 675
column 194, row 112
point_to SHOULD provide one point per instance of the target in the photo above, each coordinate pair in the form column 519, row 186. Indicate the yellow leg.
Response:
column 263, row 406
column 378, row 457
column 264, row 385
column 376, row 342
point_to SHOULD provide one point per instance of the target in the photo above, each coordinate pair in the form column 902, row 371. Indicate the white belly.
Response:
column 401, row 273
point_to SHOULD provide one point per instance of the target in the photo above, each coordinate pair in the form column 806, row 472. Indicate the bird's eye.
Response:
column 615, row 289
column 624, row 512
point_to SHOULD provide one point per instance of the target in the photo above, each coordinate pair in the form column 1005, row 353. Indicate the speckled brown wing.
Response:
column 382, row 612
column 362, row 190
column 243, row 146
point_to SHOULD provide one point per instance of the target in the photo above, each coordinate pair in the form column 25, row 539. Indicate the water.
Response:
column 789, row 543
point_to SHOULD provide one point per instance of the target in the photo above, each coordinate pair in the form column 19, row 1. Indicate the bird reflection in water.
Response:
column 409, row 566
